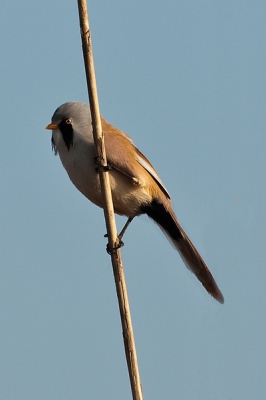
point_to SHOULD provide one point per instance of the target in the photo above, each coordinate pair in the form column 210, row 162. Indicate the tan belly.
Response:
column 127, row 196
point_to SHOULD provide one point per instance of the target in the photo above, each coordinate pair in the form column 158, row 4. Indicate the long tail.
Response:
column 164, row 216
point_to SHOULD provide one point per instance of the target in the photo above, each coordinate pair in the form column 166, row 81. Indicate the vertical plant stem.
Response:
column 118, row 271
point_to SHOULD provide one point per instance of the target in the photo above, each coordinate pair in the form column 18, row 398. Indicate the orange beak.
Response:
column 52, row 126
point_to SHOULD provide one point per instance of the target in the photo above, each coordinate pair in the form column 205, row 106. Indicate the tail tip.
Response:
column 218, row 296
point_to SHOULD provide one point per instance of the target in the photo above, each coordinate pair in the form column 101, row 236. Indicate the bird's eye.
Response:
column 69, row 121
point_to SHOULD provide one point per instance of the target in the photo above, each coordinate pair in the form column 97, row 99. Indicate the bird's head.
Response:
column 71, row 122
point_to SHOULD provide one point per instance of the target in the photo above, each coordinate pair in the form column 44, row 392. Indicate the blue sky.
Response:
column 186, row 80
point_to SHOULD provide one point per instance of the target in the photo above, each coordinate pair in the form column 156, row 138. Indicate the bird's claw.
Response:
column 101, row 167
column 117, row 246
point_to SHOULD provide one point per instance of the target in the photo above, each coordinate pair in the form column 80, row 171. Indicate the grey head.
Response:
column 75, row 110
column 71, row 120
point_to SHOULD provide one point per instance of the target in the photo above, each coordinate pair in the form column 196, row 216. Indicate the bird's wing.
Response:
column 142, row 160
column 123, row 156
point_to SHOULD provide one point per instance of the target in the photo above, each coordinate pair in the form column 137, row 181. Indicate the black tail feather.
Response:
column 164, row 216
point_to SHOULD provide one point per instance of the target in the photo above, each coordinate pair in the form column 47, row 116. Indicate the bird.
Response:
column 135, row 185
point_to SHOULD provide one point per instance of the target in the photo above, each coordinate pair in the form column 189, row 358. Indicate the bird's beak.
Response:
column 52, row 126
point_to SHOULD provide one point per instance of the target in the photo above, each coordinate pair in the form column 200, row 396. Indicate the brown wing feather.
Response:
column 127, row 158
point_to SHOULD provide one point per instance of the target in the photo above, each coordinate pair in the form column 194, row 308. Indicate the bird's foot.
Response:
column 119, row 242
column 117, row 246
column 101, row 167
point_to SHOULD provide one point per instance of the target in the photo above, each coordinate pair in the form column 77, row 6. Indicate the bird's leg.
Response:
column 121, row 234
column 119, row 237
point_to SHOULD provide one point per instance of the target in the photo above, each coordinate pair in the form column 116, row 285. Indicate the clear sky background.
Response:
column 186, row 80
